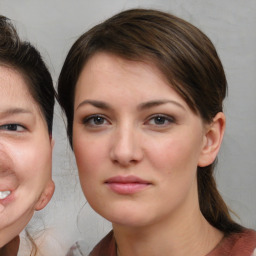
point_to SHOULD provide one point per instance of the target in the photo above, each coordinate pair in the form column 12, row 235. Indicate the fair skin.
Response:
column 25, row 156
column 137, row 146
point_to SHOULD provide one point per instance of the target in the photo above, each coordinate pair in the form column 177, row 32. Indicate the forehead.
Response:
column 106, row 77
column 14, row 89
column 104, row 67
column 12, row 79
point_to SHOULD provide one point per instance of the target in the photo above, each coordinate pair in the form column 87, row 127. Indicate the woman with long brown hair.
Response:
column 143, row 94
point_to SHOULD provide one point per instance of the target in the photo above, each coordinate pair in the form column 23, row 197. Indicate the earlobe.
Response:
column 212, row 140
column 45, row 196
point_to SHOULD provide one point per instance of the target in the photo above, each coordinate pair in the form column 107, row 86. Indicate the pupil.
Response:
column 159, row 120
column 12, row 127
column 98, row 120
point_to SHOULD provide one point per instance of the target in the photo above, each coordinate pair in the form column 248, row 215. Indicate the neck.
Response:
column 11, row 248
column 187, row 234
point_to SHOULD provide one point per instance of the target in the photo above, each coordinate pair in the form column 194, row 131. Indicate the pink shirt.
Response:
column 240, row 244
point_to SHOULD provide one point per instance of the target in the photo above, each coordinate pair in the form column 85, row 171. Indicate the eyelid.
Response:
column 169, row 118
column 88, row 118
column 5, row 127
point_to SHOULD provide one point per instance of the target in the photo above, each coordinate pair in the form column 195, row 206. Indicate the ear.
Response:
column 45, row 196
column 49, row 189
column 212, row 140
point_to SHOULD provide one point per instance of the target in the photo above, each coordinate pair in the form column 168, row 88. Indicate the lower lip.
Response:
column 127, row 188
column 8, row 199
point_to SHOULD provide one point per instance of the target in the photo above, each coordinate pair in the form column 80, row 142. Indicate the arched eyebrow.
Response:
column 142, row 106
column 155, row 103
column 95, row 103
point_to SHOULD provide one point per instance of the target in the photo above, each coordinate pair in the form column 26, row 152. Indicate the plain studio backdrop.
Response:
column 53, row 26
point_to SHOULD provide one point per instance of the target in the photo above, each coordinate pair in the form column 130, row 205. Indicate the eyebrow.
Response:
column 95, row 103
column 142, row 106
column 14, row 111
column 155, row 103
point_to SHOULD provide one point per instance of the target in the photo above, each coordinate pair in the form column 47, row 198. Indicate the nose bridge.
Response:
column 126, row 147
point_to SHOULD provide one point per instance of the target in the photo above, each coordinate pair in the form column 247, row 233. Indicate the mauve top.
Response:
column 238, row 244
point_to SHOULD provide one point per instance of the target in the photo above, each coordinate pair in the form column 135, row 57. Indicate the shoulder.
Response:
column 106, row 247
column 249, row 235
column 245, row 241
column 237, row 244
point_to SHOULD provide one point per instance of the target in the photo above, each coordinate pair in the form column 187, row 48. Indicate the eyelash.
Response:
column 12, row 127
column 87, row 121
column 102, row 119
column 161, row 117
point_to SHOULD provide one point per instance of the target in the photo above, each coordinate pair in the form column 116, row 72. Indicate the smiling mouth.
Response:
column 4, row 194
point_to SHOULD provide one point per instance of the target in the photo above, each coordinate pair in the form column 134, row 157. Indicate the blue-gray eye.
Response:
column 98, row 120
column 95, row 120
column 160, row 120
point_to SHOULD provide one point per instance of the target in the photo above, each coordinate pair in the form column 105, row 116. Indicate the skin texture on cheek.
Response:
column 27, row 189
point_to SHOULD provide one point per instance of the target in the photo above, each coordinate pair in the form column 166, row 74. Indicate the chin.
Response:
column 125, row 218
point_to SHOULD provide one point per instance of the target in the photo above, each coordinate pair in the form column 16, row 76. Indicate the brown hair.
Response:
column 184, row 55
column 22, row 56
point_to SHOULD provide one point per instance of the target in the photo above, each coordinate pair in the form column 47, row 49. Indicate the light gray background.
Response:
column 53, row 25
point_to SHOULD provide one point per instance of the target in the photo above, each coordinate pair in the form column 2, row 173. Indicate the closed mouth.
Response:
column 127, row 184
column 126, row 179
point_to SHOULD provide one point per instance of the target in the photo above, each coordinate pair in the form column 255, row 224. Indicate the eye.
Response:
column 13, row 127
column 160, row 120
column 95, row 120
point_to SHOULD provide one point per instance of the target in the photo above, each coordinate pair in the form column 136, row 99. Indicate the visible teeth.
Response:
column 4, row 194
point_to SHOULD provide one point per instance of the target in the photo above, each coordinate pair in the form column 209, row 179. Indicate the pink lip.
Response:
column 8, row 199
column 8, row 182
column 10, row 188
column 127, row 184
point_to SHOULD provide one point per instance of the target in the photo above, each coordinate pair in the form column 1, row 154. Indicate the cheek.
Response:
column 32, row 169
column 90, row 156
column 175, row 165
column 90, row 159
column 171, row 153
column 34, row 164
column 175, row 160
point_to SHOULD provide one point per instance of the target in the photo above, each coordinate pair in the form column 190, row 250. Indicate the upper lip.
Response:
column 7, row 188
column 127, row 179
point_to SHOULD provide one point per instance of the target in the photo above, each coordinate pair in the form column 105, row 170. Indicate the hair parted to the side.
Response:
column 187, row 59
column 24, row 58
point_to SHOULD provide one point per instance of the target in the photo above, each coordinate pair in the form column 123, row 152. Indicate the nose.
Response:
column 126, row 147
column 6, row 163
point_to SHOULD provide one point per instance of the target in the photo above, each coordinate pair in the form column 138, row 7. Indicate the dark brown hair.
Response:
column 23, row 57
column 187, row 59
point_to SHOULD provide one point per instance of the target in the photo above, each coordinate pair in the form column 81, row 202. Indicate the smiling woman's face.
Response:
column 136, row 141
column 25, row 156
